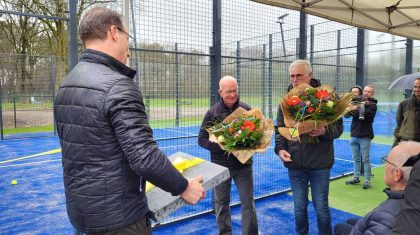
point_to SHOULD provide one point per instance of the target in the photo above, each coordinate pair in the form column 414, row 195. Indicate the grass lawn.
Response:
column 353, row 198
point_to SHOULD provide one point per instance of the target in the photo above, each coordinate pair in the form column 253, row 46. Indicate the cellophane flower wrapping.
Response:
column 305, row 108
column 243, row 133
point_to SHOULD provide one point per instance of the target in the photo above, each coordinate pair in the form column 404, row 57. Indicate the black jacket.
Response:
column 408, row 219
column 381, row 220
column 215, row 114
column 363, row 128
column 309, row 156
column 107, row 146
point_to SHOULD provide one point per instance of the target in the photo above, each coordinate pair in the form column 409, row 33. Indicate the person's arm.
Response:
column 203, row 135
column 126, row 113
column 281, row 142
column 399, row 118
column 333, row 131
column 370, row 110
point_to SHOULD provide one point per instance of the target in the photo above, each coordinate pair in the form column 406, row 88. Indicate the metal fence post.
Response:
column 360, row 57
column 1, row 112
column 14, row 109
column 408, row 63
column 238, row 63
column 312, row 44
column 302, row 35
column 264, row 74
column 176, row 85
column 338, row 60
column 52, row 79
column 72, row 24
column 270, row 76
column 216, row 51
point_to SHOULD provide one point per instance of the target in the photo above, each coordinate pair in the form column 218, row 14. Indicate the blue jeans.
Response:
column 319, row 182
column 360, row 152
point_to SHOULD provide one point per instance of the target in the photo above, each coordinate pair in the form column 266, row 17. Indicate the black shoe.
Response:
column 366, row 185
column 353, row 181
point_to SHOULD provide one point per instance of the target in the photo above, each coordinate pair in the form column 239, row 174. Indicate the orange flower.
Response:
column 322, row 94
column 248, row 124
column 294, row 100
column 231, row 130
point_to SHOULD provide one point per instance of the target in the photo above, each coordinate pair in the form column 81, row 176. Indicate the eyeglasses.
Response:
column 122, row 30
column 131, row 42
column 228, row 92
column 297, row 76
column 385, row 160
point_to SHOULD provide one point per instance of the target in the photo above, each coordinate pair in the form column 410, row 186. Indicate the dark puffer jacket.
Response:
column 107, row 146
column 363, row 128
column 381, row 220
column 309, row 156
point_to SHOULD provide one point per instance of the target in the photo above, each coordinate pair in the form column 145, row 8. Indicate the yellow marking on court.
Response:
column 33, row 155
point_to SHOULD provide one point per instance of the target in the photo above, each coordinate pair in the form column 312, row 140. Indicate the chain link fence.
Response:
column 173, row 58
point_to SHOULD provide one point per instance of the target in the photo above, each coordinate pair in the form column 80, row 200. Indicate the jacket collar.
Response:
column 93, row 56
column 397, row 194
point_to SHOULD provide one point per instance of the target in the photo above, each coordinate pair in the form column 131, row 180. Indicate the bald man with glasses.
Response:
column 381, row 220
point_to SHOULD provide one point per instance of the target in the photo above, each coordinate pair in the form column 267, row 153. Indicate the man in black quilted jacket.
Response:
column 107, row 145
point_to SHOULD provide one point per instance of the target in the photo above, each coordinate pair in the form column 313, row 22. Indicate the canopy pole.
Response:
column 408, row 63
column 360, row 57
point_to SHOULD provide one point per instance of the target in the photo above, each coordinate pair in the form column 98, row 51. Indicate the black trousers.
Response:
column 143, row 226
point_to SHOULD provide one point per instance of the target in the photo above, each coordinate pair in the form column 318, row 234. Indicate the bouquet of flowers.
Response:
column 243, row 133
column 304, row 108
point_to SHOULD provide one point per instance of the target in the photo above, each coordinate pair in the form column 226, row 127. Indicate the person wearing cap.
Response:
column 408, row 117
column 381, row 219
column 408, row 219
column 363, row 113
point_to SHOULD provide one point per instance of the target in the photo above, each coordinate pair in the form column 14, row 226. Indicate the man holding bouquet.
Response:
column 308, row 163
column 240, row 173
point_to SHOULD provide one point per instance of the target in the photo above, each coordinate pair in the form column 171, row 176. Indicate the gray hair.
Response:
column 97, row 21
column 306, row 65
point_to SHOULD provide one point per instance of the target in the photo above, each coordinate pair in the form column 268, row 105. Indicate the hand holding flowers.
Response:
column 243, row 133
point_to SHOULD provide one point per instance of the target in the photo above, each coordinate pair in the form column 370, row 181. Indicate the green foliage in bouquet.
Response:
column 242, row 133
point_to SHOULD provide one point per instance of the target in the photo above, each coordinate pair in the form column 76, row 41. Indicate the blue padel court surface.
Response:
column 36, row 203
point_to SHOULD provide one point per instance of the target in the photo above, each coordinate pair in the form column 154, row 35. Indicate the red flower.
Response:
column 322, row 94
column 294, row 100
column 311, row 110
column 248, row 124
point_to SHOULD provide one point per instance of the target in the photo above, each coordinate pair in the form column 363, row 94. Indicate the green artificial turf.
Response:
column 353, row 198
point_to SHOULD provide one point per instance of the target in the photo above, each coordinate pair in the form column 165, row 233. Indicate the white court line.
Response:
column 31, row 163
column 174, row 146
column 167, row 147
column 183, row 132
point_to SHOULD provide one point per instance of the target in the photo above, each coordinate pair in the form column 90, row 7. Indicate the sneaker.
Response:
column 353, row 181
column 366, row 185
